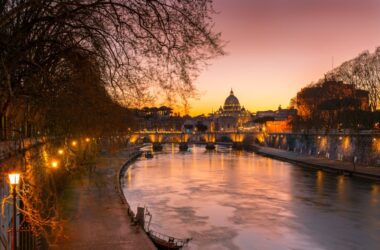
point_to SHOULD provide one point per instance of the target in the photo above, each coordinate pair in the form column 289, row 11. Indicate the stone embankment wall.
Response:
column 364, row 147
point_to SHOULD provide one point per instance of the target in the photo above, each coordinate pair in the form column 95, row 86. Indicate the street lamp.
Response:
column 14, row 179
column 74, row 143
column 60, row 151
column 54, row 164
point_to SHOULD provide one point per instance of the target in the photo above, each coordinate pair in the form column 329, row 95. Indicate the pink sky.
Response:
column 278, row 46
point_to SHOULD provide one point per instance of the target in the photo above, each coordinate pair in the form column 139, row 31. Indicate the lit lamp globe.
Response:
column 54, row 164
column 60, row 151
column 87, row 139
column 14, row 178
column 74, row 143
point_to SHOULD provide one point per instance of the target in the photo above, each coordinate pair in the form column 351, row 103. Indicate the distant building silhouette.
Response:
column 161, row 118
column 331, row 95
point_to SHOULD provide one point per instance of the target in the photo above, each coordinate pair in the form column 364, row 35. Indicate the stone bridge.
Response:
column 196, row 137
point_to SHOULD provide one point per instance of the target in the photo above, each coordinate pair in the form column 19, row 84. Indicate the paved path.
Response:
column 97, row 218
column 321, row 163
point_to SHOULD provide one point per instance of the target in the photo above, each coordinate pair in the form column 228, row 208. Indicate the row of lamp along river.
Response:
column 237, row 200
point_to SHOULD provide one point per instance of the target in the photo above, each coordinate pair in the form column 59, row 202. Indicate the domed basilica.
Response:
column 231, row 116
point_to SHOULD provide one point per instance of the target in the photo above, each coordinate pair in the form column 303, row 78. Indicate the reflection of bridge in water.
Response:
column 159, row 137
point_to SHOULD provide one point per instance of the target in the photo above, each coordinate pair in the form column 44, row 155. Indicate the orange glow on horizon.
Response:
column 277, row 47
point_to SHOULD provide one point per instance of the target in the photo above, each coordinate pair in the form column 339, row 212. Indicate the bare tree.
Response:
column 364, row 72
column 136, row 47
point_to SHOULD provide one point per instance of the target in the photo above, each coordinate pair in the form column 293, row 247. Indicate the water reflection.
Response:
column 320, row 181
column 229, row 200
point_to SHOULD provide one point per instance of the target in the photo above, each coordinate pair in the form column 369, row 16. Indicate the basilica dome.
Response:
column 231, row 103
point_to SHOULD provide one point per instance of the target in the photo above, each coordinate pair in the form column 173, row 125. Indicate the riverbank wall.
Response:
column 363, row 147
column 334, row 166
column 133, row 155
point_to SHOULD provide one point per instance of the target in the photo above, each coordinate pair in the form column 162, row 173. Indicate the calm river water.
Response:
column 238, row 200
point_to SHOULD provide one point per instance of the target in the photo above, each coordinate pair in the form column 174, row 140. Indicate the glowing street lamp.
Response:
column 54, row 164
column 74, row 143
column 87, row 139
column 14, row 179
column 60, row 151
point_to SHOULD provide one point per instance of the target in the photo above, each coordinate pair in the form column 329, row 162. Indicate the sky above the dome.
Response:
column 276, row 47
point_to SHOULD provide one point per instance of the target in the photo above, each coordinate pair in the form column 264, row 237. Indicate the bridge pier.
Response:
column 183, row 146
column 237, row 145
column 157, row 146
column 210, row 146
column 249, row 147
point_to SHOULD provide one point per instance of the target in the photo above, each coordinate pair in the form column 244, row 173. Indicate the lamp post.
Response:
column 14, row 179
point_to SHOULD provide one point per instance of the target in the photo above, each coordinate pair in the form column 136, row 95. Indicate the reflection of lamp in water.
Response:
column 341, row 186
column 375, row 188
column 319, row 180
column 14, row 179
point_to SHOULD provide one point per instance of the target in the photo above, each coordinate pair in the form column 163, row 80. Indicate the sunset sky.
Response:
column 275, row 47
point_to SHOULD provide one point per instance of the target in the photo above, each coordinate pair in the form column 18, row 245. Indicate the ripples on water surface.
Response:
column 238, row 200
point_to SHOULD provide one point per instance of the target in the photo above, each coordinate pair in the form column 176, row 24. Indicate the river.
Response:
column 238, row 200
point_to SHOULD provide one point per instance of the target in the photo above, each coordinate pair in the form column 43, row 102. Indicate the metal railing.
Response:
column 26, row 240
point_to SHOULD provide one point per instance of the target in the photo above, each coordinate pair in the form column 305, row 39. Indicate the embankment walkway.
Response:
column 97, row 218
column 321, row 163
